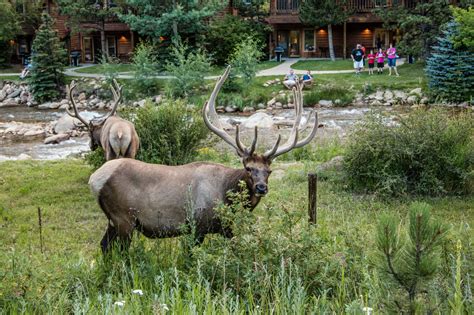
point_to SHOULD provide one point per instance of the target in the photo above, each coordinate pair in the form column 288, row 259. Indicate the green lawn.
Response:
column 321, row 65
column 276, row 263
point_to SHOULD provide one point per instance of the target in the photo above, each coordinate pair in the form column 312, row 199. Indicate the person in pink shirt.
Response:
column 380, row 57
column 371, row 61
column 392, row 60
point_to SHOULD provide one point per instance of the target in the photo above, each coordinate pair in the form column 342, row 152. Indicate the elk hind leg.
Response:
column 109, row 238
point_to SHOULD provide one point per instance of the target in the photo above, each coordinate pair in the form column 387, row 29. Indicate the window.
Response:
column 111, row 46
column 309, row 44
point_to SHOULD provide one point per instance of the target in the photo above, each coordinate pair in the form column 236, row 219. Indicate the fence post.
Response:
column 312, row 197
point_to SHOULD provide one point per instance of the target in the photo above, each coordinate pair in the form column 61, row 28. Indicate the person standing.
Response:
column 371, row 61
column 363, row 58
column 357, row 56
column 380, row 57
column 392, row 60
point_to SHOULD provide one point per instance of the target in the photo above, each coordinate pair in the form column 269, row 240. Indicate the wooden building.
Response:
column 362, row 27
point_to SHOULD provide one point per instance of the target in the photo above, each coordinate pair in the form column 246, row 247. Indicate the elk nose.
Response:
column 261, row 189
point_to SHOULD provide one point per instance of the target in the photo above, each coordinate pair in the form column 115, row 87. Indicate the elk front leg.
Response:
column 109, row 237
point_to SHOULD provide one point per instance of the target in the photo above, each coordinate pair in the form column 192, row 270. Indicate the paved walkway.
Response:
column 280, row 70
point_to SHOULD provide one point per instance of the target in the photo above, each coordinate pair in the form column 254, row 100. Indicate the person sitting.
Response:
column 290, row 79
column 307, row 79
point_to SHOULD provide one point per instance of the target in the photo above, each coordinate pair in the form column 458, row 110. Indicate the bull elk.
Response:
column 115, row 135
column 153, row 198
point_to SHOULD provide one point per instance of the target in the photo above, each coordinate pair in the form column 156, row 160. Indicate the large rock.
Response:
column 416, row 92
column 400, row 95
column 271, row 102
column 248, row 109
column 412, row 99
column 56, row 138
column 325, row 103
column 81, row 97
column 65, row 124
column 3, row 95
column 49, row 105
column 379, row 95
column 15, row 93
column 388, row 95
column 259, row 119
column 34, row 133
column 24, row 97
column 9, row 102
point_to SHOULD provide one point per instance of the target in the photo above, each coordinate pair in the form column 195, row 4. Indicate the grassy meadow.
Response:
column 275, row 264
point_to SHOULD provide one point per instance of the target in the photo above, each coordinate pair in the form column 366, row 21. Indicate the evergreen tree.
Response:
column 176, row 19
column 450, row 70
column 465, row 20
column 324, row 12
column 48, row 58
column 410, row 259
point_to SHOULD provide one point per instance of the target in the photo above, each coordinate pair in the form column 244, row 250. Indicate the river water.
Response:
column 335, row 121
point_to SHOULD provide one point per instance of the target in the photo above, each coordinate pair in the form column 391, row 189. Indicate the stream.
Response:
column 336, row 122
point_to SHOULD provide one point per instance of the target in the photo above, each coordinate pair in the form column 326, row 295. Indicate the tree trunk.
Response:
column 175, row 24
column 103, row 45
column 331, row 46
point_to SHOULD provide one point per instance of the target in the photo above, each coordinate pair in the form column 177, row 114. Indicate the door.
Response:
column 294, row 43
column 283, row 41
column 111, row 46
column 87, row 49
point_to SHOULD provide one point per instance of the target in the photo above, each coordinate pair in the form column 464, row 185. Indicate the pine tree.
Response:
column 410, row 260
column 48, row 58
column 450, row 70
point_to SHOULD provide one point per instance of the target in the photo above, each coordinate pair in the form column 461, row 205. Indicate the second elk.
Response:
column 115, row 135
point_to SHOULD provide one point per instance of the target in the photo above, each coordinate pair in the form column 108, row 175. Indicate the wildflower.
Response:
column 137, row 292
column 120, row 303
column 368, row 310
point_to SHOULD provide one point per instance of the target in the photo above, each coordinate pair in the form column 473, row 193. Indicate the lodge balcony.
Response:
column 290, row 7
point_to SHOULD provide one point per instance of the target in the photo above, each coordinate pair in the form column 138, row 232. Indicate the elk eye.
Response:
column 248, row 169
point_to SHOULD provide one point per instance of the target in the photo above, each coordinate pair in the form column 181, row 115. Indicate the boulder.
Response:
column 379, row 95
column 220, row 109
column 325, row 103
column 34, row 133
column 3, row 95
column 376, row 103
column 24, row 156
column 278, row 105
column 81, row 97
column 388, row 95
column 24, row 97
column 271, row 102
column 261, row 106
column 65, row 124
column 49, row 105
column 56, row 138
column 424, row 100
column 14, row 94
column 416, row 92
column 260, row 119
column 248, row 109
column 141, row 103
column 10, row 102
column 230, row 109
column 412, row 99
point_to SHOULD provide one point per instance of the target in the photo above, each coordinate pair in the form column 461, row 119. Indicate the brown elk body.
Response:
column 155, row 199
column 115, row 135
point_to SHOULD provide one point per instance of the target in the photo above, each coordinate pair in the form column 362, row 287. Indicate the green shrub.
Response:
column 332, row 93
column 95, row 158
column 244, row 59
column 426, row 152
column 145, row 68
column 189, row 69
column 169, row 133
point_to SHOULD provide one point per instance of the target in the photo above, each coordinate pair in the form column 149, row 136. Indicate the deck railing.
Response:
column 290, row 7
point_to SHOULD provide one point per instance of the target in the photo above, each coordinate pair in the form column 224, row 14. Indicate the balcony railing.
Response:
column 285, row 7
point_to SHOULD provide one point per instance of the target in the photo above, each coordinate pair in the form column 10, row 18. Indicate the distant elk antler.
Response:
column 155, row 199
column 115, row 135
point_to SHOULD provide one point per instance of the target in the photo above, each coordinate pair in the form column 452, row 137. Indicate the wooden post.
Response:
column 40, row 224
column 312, row 197
column 344, row 48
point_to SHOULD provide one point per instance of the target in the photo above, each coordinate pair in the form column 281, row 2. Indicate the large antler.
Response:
column 117, row 94
column 292, row 141
column 74, row 114
column 210, row 108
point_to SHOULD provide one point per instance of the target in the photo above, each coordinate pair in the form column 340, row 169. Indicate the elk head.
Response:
column 256, row 165
column 94, row 126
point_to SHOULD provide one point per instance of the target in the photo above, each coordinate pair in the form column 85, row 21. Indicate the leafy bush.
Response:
column 95, row 158
column 169, row 134
column 244, row 59
column 145, row 68
column 329, row 92
column 189, row 69
column 426, row 152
